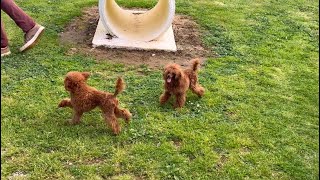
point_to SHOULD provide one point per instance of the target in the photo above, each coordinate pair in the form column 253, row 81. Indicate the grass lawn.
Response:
column 259, row 118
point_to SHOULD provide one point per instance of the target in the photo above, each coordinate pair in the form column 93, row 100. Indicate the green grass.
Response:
column 259, row 118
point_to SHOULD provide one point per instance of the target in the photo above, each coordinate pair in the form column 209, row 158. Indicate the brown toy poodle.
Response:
column 178, row 81
column 85, row 98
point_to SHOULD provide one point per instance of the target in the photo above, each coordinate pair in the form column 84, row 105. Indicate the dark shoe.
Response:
column 5, row 51
column 32, row 37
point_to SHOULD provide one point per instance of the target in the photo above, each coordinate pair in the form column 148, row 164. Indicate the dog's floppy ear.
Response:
column 164, row 73
column 85, row 75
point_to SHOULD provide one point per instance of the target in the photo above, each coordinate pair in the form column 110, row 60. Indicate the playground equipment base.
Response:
column 165, row 42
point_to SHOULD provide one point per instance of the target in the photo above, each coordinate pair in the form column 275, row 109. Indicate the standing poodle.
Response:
column 178, row 81
column 85, row 98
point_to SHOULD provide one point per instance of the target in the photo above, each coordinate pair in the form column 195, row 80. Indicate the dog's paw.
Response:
column 67, row 123
column 128, row 118
column 116, row 131
column 177, row 106
column 163, row 99
column 71, row 122
column 200, row 93
column 63, row 103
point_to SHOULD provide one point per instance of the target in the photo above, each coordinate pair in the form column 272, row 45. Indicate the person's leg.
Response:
column 24, row 21
column 4, row 39
column 32, row 30
column 4, row 42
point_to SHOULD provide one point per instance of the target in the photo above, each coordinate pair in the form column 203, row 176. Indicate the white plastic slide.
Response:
column 135, row 25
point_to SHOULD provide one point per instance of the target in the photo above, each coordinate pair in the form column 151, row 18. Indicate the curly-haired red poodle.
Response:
column 85, row 98
column 178, row 81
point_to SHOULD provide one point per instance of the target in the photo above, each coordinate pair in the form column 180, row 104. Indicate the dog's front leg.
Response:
column 76, row 117
column 65, row 103
column 112, row 121
column 180, row 100
column 165, row 97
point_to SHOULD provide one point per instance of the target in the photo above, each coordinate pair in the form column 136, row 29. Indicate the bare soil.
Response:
column 79, row 34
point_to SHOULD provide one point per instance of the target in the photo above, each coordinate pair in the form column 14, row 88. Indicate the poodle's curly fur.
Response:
column 178, row 81
column 85, row 98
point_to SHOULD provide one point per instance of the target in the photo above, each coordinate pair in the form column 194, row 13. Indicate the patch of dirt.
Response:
column 245, row 151
column 79, row 34
column 223, row 159
column 17, row 175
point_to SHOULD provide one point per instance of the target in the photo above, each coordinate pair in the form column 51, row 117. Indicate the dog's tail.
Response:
column 195, row 64
column 120, row 85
